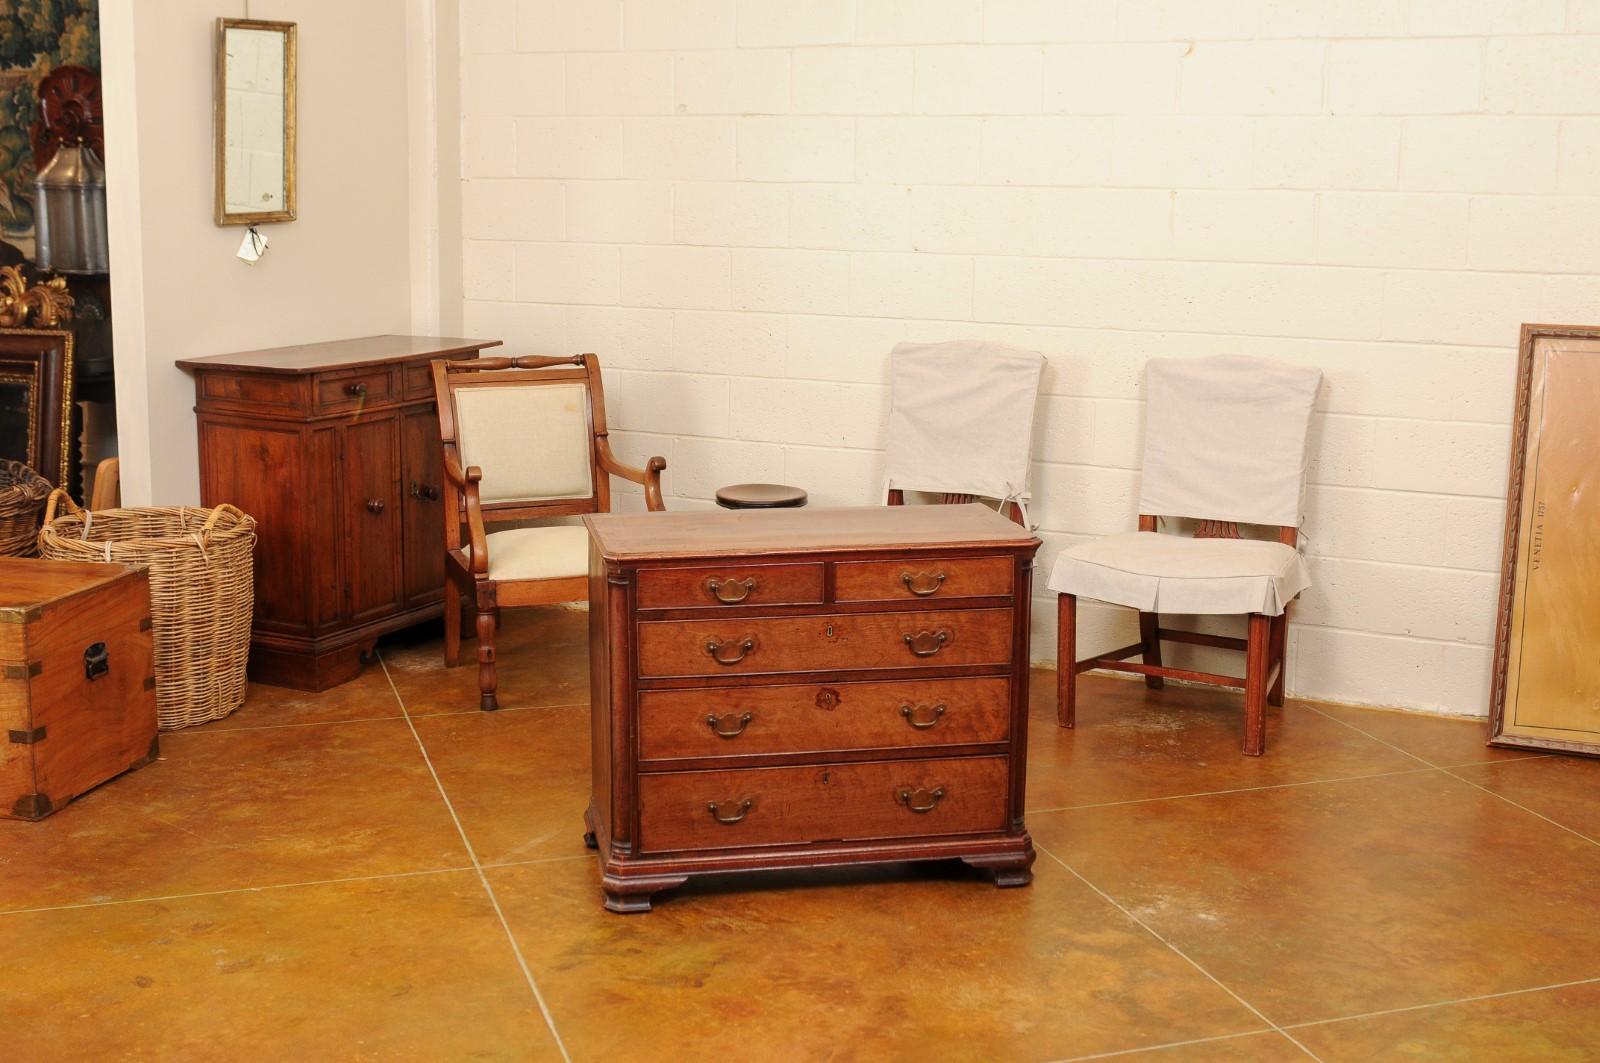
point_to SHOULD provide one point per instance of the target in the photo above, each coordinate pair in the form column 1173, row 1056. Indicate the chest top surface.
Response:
column 29, row 582
column 625, row 537
column 339, row 354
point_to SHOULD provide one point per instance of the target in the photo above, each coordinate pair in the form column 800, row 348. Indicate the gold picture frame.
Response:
column 1545, row 689
column 36, row 369
column 237, row 184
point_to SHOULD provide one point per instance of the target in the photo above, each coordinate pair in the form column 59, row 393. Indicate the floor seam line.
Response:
column 1237, row 790
column 483, row 880
column 1523, row 807
column 1165, row 1045
column 1375, row 738
column 1147, row 928
column 200, row 732
column 1444, row 1003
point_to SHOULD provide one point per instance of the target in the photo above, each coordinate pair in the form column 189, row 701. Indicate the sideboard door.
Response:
column 372, row 511
column 422, row 462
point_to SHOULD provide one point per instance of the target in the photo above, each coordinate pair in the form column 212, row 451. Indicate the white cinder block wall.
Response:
column 742, row 204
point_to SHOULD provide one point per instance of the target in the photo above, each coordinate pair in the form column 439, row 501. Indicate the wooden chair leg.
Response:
column 452, row 623
column 1257, row 651
column 1149, row 624
column 486, row 677
column 1279, row 656
column 1067, row 660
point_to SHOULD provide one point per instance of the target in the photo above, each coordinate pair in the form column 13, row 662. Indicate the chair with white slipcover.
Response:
column 961, row 422
column 1225, row 444
column 524, row 439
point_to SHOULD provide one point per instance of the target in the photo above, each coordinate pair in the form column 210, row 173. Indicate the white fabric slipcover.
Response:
column 1225, row 439
column 961, row 418
column 1174, row 574
column 539, row 553
column 532, row 442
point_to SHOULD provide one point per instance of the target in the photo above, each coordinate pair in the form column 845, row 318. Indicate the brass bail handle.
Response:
column 922, row 717
column 729, row 726
column 927, row 643
column 716, row 811
column 923, row 584
column 731, row 591
column 921, row 799
column 715, row 648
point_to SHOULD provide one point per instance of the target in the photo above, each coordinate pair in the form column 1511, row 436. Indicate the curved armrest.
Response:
column 648, row 477
column 466, row 481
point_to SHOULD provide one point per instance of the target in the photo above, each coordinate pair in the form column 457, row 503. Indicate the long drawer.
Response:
column 839, row 802
column 824, row 643
column 822, row 717
column 928, row 578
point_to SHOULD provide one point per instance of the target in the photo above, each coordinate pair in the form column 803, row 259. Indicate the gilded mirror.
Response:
column 254, row 115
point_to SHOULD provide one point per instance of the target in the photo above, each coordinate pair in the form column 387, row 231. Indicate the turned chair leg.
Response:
column 1149, row 636
column 1279, row 656
column 1067, row 660
column 1257, row 651
column 452, row 623
column 486, row 677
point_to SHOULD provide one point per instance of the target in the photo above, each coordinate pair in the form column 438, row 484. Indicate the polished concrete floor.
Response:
column 382, row 872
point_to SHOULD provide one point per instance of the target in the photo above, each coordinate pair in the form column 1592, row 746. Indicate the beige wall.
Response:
column 342, row 269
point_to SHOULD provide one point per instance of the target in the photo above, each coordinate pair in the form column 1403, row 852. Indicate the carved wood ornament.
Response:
column 48, row 303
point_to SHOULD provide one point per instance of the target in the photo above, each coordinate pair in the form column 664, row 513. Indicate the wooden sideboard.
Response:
column 334, row 449
column 807, row 687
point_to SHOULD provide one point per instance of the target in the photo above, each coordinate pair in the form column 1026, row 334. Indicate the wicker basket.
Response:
column 22, row 495
column 201, row 593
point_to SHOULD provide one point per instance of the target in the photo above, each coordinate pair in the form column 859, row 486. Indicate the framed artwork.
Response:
column 1546, row 685
column 36, row 400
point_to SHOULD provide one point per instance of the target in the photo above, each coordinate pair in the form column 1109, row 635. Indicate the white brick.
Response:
column 1392, row 229
column 1112, row 78
column 784, row 23
column 512, row 85
column 1046, row 151
column 1364, row 668
column 841, row 348
column 1479, row 154
column 910, row 149
column 729, row 213
column 1486, row 309
column 1254, row 77
column 1543, row 75
column 981, row 220
column 784, row 281
column 1327, row 152
column 511, row 210
column 1404, row 77
column 523, row 326
column 566, row 273
column 918, row 21
column 668, row 403
column 1579, row 167
column 979, row 80
column 1556, row 234
column 910, row 285
column 696, row 149
column 1273, row 300
column 623, row 336
column 668, row 25
column 1569, row 299
column 488, row 270
column 1444, row 18
column 1021, row 21
column 1186, row 20
column 1109, row 222
column 1064, row 430
column 569, row 147
column 690, row 278
column 488, row 147
column 1244, row 226
column 488, row 26
column 1084, row 500
column 815, row 414
column 621, row 212
column 563, row 26
column 704, row 465
column 1406, row 528
column 630, row 83
column 1448, row 457
column 1181, row 152
column 1089, row 294
column 1346, row 18
column 1585, row 16
column 836, row 477
column 737, row 344
column 852, row 80
column 851, row 217
column 796, row 149
column 741, row 82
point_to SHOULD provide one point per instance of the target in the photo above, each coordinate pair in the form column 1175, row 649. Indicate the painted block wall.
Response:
column 741, row 205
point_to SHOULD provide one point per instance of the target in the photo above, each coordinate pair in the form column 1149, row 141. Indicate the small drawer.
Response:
column 923, row 578
column 821, row 803
column 822, row 717
column 719, row 588
column 418, row 380
column 355, row 391
column 736, row 646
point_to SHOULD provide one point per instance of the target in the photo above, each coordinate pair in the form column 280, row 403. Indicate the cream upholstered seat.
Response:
column 1225, row 444
column 558, row 552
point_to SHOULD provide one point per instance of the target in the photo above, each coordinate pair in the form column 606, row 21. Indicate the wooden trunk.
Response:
column 77, row 680
column 807, row 687
column 334, row 449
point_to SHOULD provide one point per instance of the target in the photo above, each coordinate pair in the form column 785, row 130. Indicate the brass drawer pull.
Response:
column 729, row 726
column 927, row 643
column 374, row 506
column 716, row 812
column 714, row 648
column 923, row 584
column 921, row 800
column 424, row 492
column 357, row 390
column 730, row 591
column 922, row 717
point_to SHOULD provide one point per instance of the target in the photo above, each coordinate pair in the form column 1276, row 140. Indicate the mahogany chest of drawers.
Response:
column 807, row 687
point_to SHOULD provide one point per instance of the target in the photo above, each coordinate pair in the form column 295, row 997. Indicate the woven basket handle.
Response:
column 211, row 521
column 58, row 496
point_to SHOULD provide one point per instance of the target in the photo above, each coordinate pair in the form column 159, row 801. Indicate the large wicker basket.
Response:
column 22, row 495
column 201, row 593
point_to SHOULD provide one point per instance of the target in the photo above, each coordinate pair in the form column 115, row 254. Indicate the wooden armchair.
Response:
column 524, row 439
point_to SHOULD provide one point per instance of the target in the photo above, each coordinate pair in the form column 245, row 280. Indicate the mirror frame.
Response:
column 220, row 122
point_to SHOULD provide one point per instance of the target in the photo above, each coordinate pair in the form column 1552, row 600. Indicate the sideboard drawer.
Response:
column 821, row 803
column 358, row 390
column 925, row 578
column 728, row 585
column 823, row 643
column 822, row 717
